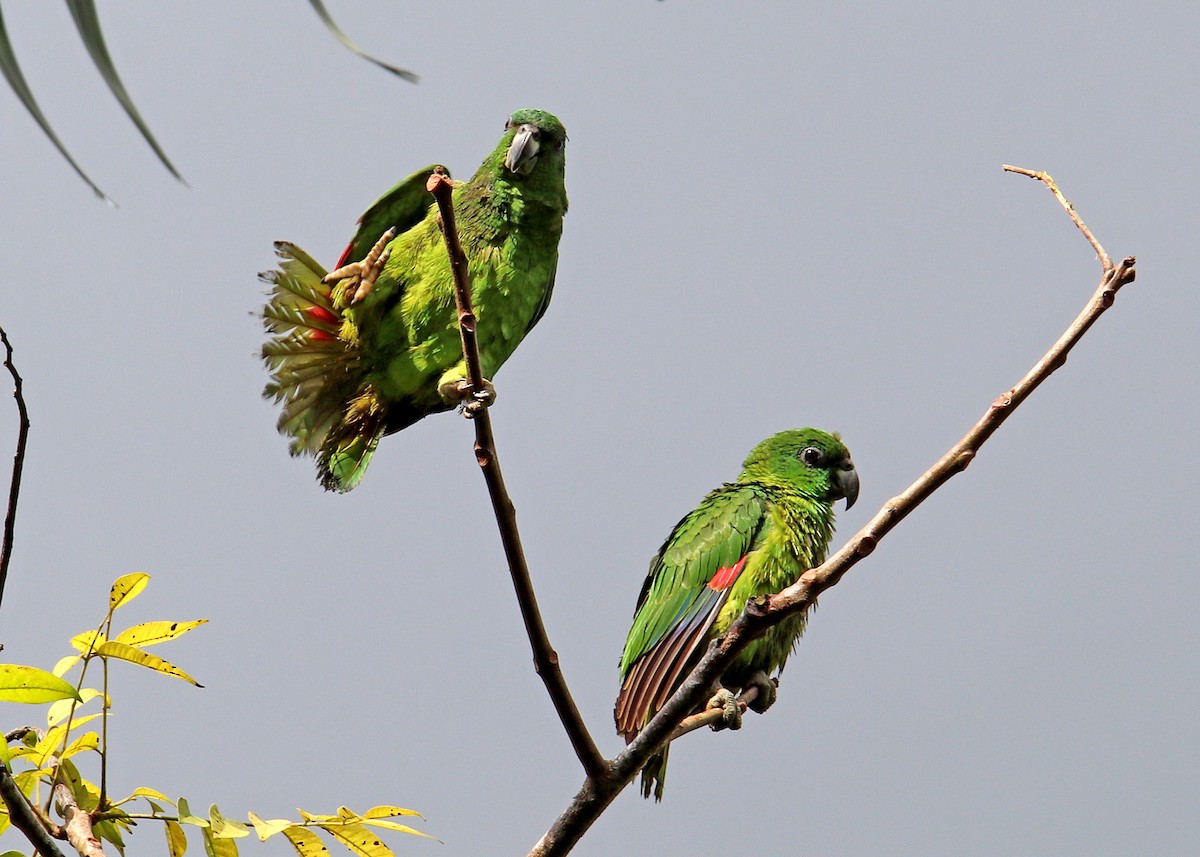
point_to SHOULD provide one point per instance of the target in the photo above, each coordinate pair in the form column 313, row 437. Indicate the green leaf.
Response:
column 306, row 843
column 126, row 652
column 223, row 828
column 88, row 24
column 149, row 633
column 358, row 839
column 126, row 588
column 12, row 73
column 109, row 831
column 215, row 847
column 176, row 839
column 323, row 14
column 30, row 685
column 10, row 853
column 266, row 828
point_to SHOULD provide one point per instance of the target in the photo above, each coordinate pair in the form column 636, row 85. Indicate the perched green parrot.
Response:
column 374, row 346
column 751, row 537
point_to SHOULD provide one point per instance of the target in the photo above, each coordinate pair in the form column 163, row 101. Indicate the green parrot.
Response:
column 374, row 346
column 751, row 537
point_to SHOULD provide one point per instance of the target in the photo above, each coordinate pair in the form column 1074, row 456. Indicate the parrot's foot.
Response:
column 768, row 690
column 473, row 402
column 365, row 271
column 731, row 713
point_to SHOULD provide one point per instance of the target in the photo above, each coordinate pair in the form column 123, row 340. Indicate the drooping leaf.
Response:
column 359, row 839
column 126, row 588
column 176, row 839
column 106, row 829
column 306, row 843
column 268, row 827
column 88, row 24
column 223, row 828
column 394, row 825
column 125, row 652
column 149, row 633
column 323, row 14
column 16, row 79
column 215, row 847
column 31, row 685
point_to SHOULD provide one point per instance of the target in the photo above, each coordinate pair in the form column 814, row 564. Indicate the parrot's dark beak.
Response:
column 523, row 151
column 845, row 480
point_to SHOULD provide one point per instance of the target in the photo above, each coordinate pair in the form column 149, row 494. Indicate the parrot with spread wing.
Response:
column 372, row 347
column 747, row 538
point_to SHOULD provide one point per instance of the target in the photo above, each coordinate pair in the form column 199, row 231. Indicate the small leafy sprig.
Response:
column 39, row 771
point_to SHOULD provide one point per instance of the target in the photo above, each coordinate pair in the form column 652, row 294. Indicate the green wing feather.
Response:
column 677, row 606
column 401, row 208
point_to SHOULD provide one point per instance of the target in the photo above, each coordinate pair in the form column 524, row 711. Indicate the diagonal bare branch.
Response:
column 23, row 816
column 545, row 659
column 14, row 489
column 764, row 612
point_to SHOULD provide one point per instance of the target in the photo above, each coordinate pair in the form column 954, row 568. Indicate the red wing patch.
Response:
column 725, row 577
column 345, row 256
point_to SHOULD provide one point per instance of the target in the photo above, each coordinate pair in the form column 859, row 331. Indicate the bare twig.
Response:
column 14, row 489
column 763, row 612
column 1045, row 179
column 545, row 659
column 23, row 816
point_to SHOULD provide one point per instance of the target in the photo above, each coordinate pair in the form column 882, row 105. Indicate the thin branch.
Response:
column 545, row 659
column 1049, row 182
column 23, row 817
column 766, row 611
column 14, row 489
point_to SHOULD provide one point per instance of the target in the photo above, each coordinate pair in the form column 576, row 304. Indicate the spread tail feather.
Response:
column 328, row 408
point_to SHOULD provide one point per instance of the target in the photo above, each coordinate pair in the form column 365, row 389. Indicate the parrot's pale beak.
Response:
column 523, row 151
column 845, row 480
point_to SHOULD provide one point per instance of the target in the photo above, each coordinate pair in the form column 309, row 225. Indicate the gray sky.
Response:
column 781, row 215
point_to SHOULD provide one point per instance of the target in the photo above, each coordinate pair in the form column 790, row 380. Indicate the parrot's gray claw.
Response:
column 366, row 271
column 731, row 712
column 473, row 402
column 768, row 690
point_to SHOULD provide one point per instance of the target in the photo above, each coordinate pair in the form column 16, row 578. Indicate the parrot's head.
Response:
column 814, row 461
column 534, row 136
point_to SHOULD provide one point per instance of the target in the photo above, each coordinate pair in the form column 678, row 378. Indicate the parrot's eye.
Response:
column 811, row 456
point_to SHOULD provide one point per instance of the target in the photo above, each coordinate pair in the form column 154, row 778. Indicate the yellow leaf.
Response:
column 223, row 828
column 308, row 816
column 61, row 710
column 266, row 828
column 126, row 652
column 64, row 664
column 87, row 641
column 392, row 825
column 185, row 814
column 147, row 792
column 149, row 633
column 215, row 847
column 176, row 839
column 389, row 812
column 359, row 839
column 127, row 588
column 306, row 843
column 30, row 685
column 86, row 741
